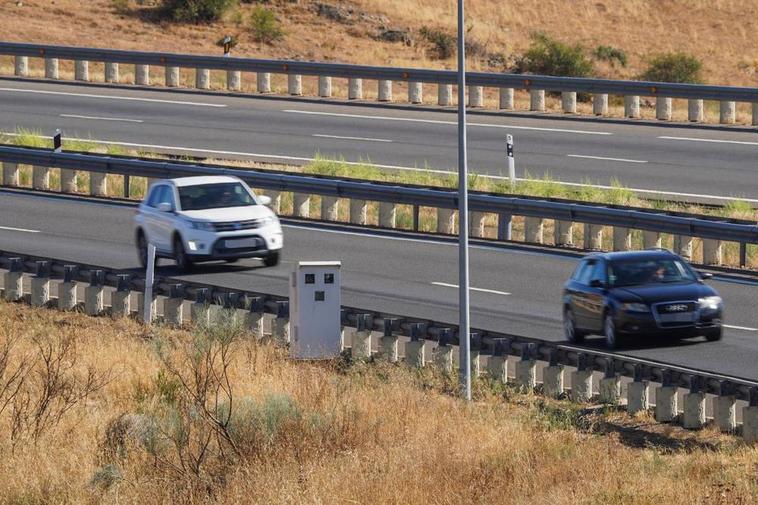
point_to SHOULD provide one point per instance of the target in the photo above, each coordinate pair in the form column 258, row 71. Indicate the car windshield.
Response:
column 648, row 271
column 214, row 196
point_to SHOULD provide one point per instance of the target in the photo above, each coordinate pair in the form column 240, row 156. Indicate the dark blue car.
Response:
column 623, row 295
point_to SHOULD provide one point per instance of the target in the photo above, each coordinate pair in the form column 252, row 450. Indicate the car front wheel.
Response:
column 609, row 330
column 183, row 263
column 569, row 328
column 272, row 259
column 714, row 335
column 142, row 250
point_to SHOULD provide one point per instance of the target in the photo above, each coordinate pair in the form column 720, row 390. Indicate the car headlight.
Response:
column 265, row 221
column 635, row 307
column 202, row 225
column 710, row 302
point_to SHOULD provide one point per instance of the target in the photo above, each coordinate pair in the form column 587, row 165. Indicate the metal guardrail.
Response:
column 713, row 228
column 519, row 81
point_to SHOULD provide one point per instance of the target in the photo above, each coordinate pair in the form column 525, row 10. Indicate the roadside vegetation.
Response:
column 212, row 415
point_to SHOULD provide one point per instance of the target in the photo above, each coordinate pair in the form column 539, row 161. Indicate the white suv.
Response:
column 194, row 219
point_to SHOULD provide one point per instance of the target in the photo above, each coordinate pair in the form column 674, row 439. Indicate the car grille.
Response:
column 238, row 225
column 671, row 314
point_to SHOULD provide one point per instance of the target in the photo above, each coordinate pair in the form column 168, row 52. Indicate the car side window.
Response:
column 154, row 198
column 578, row 270
column 585, row 274
column 167, row 196
column 598, row 272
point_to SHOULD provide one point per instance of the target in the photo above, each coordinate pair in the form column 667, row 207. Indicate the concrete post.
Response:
column 200, row 313
column 444, row 95
column 537, row 100
column 254, row 322
column 384, row 90
column 81, row 70
column 683, row 246
column 622, row 239
column 93, row 300
column 666, row 406
column 695, row 110
column 22, row 66
column 755, row 113
column 41, row 178
column 694, row 411
column 638, row 394
column 593, row 237
column 355, row 89
column 358, row 211
column 233, row 80
column 98, row 184
column 202, row 78
column 750, row 424
column 276, row 201
column 446, row 221
column 172, row 77
column 476, row 224
column 361, row 348
column 610, row 390
column 173, row 310
column 475, row 96
column 443, row 358
column 507, row 101
column 526, row 374
column 329, row 208
column 497, row 368
column 552, row 381
column 51, row 68
column 40, row 290
column 581, row 385
column 414, row 353
column 68, row 181
column 568, row 101
column 651, row 239
column 727, row 112
column 564, row 233
column 389, row 343
column 632, row 106
column 295, row 84
column 13, row 283
column 11, row 176
column 475, row 363
column 533, row 230
column 141, row 305
column 387, row 214
column 280, row 330
column 600, row 104
column 415, row 92
column 67, row 295
column 712, row 250
column 111, row 72
column 324, row 86
column 121, row 303
column 663, row 108
column 142, row 75
column 724, row 413
column 301, row 203
column 263, row 82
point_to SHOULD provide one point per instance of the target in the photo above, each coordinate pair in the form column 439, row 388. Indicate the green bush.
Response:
column 265, row 26
column 674, row 67
column 611, row 54
column 197, row 11
column 443, row 44
column 547, row 56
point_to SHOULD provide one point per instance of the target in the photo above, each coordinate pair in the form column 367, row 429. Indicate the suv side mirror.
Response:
column 165, row 207
column 705, row 275
column 597, row 283
column 264, row 200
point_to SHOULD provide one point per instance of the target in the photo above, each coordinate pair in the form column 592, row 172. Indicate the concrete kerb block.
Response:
column 564, row 233
column 537, row 100
column 444, row 95
column 324, row 86
column 330, row 208
column 694, row 411
column 600, row 104
column 476, row 96
column 384, row 90
column 358, row 211
column 11, row 174
column 727, row 112
column 507, row 101
column 41, row 178
column 446, row 221
column 263, row 82
column 632, row 106
column 622, row 239
column 233, row 80
column 638, row 396
column 355, row 89
column 202, row 78
column 111, row 72
column 51, row 68
column 750, row 424
column 142, row 75
column 415, row 92
column 663, row 108
column 534, row 230
column 302, row 204
column 725, row 413
column 666, row 404
column 172, row 77
column 388, row 348
column 21, row 66
column 81, row 70
column 695, row 110
column 568, row 102
column 295, row 84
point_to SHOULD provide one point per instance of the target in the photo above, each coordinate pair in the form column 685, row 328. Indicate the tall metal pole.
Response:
column 463, row 281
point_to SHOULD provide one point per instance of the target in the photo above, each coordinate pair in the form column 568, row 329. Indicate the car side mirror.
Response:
column 597, row 283
column 264, row 200
column 165, row 207
column 705, row 275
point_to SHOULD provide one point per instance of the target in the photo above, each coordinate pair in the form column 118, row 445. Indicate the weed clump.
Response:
column 547, row 56
column 197, row 11
column 264, row 26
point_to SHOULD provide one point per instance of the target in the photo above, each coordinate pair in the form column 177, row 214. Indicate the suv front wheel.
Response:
column 183, row 263
column 272, row 259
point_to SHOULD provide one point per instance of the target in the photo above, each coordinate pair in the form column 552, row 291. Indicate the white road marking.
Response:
column 351, row 138
column 491, row 291
column 693, row 139
column 436, row 121
column 739, row 327
column 75, row 116
column 605, row 159
column 25, row 230
column 109, row 97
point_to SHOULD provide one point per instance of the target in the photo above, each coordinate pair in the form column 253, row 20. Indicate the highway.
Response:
column 514, row 289
column 686, row 159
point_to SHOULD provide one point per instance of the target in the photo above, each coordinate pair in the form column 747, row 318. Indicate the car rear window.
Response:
column 648, row 271
column 214, row 196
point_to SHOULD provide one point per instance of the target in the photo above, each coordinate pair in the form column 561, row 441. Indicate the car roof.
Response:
column 203, row 179
column 634, row 255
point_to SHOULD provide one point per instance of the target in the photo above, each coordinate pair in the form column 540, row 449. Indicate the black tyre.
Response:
column 232, row 260
column 183, row 263
column 714, row 335
column 142, row 249
column 272, row 259
column 569, row 328
column 612, row 340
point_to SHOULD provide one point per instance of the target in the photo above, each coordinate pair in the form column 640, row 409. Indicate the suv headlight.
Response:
column 635, row 307
column 265, row 221
column 710, row 302
column 202, row 225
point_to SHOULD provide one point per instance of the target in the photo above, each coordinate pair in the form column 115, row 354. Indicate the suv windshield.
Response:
column 648, row 271
column 214, row 196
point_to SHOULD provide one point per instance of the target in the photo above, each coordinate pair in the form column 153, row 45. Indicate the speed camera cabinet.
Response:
column 315, row 310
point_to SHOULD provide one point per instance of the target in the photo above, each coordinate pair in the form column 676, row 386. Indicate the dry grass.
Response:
column 334, row 434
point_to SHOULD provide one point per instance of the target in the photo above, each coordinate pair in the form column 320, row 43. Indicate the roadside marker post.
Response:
column 57, row 141
column 149, row 278
column 227, row 45
column 511, row 160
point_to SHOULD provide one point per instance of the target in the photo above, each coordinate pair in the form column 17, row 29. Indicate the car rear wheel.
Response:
column 609, row 330
column 142, row 250
column 183, row 263
column 272, row 259
column 569, row 328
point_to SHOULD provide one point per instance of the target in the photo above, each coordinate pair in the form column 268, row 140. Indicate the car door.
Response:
column 578, row 293
column 595, row 295
column 155, row 220
column 164, row 220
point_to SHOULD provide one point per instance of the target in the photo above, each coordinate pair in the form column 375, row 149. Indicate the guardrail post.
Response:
column 537, row 100
column 443, row 353
column 724, row 409
column 581, row 380
column 663, row 108
column 389, row 342
column 22, row 66
column 504, row 226
column 254, row 315
column 446, row 221
column 276, row 201
column 295, row 84
column 81, row 70
column 712, row 250
column 476, row 351
column 202, row 78
column 476, row 224
column 280, row 326
column 172, row 77
column 415, row 92
column 230, row 302
column 694, row 406
column 564, row 233
column 638, row 393
column 526, row 369
column 683, row 246
column 444, row 94
column 600, row 104
column 666, row 405
column 142, row 75
column 727, row 112
column 324, row 86
column 755, row 113
column 355, row 89
column 534, row 230
column 506, row 99
column 329, row 208
column 750, row 419
column 632, row 106
column 695, row 110
column 414, row 350
column 497, row 365
column 361, row 348
column 13, row 280
column 67, row 289
column 387, row 214
column 302, row 204
column 41, row 284
column 141, row 305
column 568, row 101
column 476, row 96
column 98, row 184
column 358, row 211
column 610, row 385
column 93, row 294
column 552, row 377
column 200, row 312
column 384, row 90
column 651, row 239
column 40, row 177
column 11, row 176
column 233, row 80
column 111, row 72
column 263, row 82
column 121, row 299
column 173, row 306
column 622, row 239
column 51, row 68
column 68, row 181
column 593, row 237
